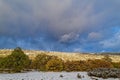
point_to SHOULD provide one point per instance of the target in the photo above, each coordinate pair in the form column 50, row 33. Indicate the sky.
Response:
column 60, row 25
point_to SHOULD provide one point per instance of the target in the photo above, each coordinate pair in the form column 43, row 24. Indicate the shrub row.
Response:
column 18, row 62
column 87, row 65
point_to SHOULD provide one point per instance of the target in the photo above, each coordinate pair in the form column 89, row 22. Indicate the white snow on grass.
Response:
column 49, row 76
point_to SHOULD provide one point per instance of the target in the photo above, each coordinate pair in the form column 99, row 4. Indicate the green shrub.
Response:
column 17, row 61
column 1, row 62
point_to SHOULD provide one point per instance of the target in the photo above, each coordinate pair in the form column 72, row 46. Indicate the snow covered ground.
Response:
column 49, row 76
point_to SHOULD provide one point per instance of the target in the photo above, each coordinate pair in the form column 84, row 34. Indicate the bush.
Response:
column 1, row 62
column 55, row 64
column 76, row 66
column 40, row 61
column 99, row 63
column 86, row 65
column 116, row 64
column 105, row 73
column 17, row 61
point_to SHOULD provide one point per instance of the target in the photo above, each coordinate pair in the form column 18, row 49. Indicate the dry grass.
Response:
column 63, row 55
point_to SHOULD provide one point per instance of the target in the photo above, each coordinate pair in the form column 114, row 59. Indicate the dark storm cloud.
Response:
column 58, row 24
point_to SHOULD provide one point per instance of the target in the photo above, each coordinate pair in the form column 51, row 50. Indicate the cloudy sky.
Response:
column 61, row 25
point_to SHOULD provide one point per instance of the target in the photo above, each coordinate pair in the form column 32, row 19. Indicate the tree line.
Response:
column 17, row 61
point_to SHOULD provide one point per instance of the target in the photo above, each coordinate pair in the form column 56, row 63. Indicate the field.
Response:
column 63, row 55
column 50, row 76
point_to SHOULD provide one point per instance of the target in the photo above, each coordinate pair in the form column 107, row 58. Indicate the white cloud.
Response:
column 94, row 36
column 113, row 42
column 69, row 37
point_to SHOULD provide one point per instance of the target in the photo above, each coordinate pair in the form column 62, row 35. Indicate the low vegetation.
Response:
column 105, row 73
column 17, row 61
